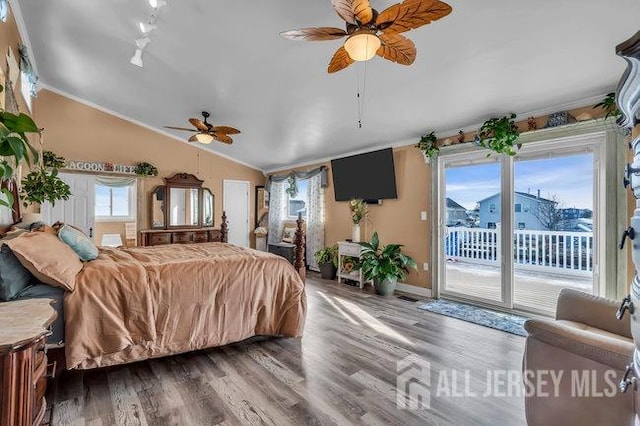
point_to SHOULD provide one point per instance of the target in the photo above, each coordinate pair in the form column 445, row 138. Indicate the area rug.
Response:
column 513, row 324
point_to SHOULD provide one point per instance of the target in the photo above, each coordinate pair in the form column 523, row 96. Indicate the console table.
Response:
column 23, row 361
column 349, row 249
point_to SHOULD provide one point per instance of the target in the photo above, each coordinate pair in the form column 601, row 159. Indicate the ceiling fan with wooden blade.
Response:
column 207, row 132
column 370, row 33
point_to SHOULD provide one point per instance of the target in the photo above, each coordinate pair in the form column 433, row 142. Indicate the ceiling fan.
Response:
column 371, row 33
column 207, row 132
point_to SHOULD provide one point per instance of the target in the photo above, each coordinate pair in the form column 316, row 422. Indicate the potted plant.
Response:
column 499, row 135
column 43, row 184
column 145, row 169
column 327, row 260
column 428, row 146
column 359, row 211
column 610, row 106
column 14, row 148
column 384, row 265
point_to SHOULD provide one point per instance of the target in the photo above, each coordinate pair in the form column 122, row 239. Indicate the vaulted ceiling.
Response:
column 486, row 58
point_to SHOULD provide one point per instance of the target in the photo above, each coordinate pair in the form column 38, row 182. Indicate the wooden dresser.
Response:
column 157, row 237
column 23, row 376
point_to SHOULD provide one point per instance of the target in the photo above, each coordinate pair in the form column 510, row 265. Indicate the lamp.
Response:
column 146, row 28
column 137, row 59
column 157, row 4
column 142, row 42
column 204, row 138
column 362, row 45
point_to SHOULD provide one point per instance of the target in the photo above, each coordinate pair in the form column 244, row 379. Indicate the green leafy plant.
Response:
column 610, row 106
column 384, row 263
column 427, row 145
column 145, row 169
column 50, row 159
column 499, row 135
column 326, row 255
column 359, row 210
column 42, row 185
column 14, row 147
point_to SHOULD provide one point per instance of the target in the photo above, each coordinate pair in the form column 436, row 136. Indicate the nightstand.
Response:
column 286, row 250
column 348, row 249
column 23, row 360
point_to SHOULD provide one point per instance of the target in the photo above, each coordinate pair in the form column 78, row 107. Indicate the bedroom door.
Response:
column 79, row 209
column 236, row 204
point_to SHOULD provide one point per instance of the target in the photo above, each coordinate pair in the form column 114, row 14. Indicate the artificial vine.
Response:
column 499, row 135
column 428, row 145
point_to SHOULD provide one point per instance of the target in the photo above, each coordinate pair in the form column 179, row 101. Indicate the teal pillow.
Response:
column 79, row 242
column 13, row 276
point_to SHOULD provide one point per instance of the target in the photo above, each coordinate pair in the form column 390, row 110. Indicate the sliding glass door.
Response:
column 514, row 231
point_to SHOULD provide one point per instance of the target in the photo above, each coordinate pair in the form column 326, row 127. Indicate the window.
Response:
column 492, row 208
column 298, row 204
column 521, row 225
column 491, row 225
column 518, row 208
column 115, row 203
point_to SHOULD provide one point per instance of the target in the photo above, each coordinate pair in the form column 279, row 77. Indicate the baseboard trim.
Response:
column 412, row 289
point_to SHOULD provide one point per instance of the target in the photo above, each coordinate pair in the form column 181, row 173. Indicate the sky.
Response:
column 569, row 178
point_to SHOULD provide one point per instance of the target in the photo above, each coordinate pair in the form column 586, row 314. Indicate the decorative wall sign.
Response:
column 96, row 166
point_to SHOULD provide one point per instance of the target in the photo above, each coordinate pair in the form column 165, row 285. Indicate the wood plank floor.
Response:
column 343, row 371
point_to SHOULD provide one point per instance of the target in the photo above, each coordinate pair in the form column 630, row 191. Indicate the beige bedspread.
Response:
column 144, row 302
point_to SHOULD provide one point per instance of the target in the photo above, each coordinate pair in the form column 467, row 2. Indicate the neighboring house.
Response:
column 574, row 213
column 526, row 211
column 456, row 214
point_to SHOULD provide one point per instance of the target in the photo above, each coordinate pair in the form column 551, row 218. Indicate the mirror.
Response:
column 262, row 207
column 207, row 207
column 157, row 207
column 184, row 204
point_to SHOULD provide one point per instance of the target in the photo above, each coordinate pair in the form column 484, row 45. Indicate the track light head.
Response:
column 137, row 59
column 141, row 43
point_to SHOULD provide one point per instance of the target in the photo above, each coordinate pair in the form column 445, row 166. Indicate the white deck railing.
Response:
column 554, row 251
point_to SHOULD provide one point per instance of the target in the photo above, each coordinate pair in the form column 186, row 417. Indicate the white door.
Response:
column 236, row 204
column 79, row 209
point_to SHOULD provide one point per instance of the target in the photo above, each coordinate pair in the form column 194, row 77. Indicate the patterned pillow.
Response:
column 288, row 235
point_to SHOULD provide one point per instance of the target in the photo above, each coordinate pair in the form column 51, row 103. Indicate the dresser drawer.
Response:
column 200, row 237
column 182, row 237
column 215, row 236
column 159, row 239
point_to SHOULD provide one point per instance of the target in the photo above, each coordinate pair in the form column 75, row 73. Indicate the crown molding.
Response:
column 24, row 34
column 85, row 102
column 449, row 133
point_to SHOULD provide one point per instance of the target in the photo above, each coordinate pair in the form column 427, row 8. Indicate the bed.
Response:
column 131, row 304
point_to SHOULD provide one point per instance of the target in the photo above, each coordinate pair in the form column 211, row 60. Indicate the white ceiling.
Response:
column 487, row 57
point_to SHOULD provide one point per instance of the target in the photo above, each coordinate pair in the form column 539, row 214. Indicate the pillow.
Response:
column 14, row 277
column 47, row 258
column 79, row 242
column 288, row 235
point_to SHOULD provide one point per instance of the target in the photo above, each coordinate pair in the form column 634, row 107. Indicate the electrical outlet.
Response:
column 425, row 266
column 423, row 215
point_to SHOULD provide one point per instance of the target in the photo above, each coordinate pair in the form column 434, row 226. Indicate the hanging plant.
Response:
column 359, row 210
column 51, row 160
column 145, row 169
column 428, row 145
column 42, row 185
column 610, row 106
column 499, row 135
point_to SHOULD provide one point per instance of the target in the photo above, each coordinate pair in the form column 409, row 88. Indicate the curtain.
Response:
column 290, row 179
column 4, row 10
column 27, row 70
column 315, row 219
column 277, row 211
column 115, row 182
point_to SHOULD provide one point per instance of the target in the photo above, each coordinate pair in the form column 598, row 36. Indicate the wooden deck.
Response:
column 532, row 290
column 343, row 371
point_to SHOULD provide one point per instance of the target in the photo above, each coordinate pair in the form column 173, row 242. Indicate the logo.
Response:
column 413, row 383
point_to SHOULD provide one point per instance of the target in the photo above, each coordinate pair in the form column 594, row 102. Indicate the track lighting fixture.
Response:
column 157, row 4
column 146, row 28
column 141, row 43
column 137, row 59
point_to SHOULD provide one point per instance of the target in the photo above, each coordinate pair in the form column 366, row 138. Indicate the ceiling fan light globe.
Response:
column 204, row 138
column 362, row 45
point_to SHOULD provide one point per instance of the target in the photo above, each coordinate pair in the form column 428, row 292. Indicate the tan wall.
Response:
column 398, row 221
column 80, row 132
column 10, row 37
column 102, row 228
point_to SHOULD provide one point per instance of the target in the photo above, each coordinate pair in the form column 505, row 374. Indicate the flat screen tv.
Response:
column 369, row 176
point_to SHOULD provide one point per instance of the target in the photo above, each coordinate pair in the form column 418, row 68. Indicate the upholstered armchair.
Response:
column 585, row 339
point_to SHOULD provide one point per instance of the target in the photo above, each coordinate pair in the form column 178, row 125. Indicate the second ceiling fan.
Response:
column 371, row 33
column 207, row 132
